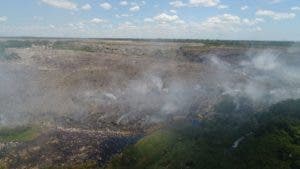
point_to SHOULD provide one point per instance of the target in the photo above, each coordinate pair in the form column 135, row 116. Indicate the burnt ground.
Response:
column 67, row 147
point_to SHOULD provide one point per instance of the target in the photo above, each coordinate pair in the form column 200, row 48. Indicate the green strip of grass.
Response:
column 274, row 143
column 19, row 134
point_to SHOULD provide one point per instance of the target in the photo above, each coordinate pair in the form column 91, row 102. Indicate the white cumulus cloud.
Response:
column 106, row 6
column 274, row 1
column 148, row 20
column 3, row 18
column 63, row 4
column 197, row 3
column 86, row 7
column 229, row 23
column 252, row 22
column 222, row 22
column 173, row 11
column 223, row 6
column 165, row 18
column 52, row 26
column 135, row 8
column 295, row 8
column 205, row 3
column 177, row 4
column 97, row 20
column 245, row 7
column 275, row 15
column 123, row 3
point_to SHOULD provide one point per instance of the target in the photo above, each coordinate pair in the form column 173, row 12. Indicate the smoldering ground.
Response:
column 269, row 76
column 163, row 89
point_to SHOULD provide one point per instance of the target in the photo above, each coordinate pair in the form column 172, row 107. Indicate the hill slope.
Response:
column 262, row 141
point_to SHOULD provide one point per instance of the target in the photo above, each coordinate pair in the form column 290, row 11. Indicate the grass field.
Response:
column 18, row 134
column 273, row 141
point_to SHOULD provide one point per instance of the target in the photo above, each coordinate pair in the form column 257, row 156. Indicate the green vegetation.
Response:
column 18, row 134
column 70, row 45
column 11, row 56
column 18, row 44
column 21, row 44
column 215, row 42
column 87, row 165
column 270, row 140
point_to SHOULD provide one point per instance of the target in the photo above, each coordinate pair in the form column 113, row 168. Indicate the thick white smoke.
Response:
column 268, row 76
column 263, row 76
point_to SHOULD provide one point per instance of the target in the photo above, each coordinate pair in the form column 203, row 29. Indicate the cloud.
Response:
column 127, row 26
column 38, row 18
column 205, row 3
column 125, row 15
column 230, row 23
column 97, row 20
column 173, row 11
column 275, row 15
column 63, row 4
column 197, row 3
column 52, row 26
column 135, row 8
column 106, row 6
column 223, row 7
column 255, row 29
column 165, row 18
column 245, row 7
column 86, row 7
column 274, row 1
column 148, row 20
column 250, row 22
column 295, row 8
column 162, row 25
column 3, row 18
column 77, row 26
column 177, row 4
column 222, row 22
column 165, row 26
column 123, row 3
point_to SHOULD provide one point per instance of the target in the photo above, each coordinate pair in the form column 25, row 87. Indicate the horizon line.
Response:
column 145, row 39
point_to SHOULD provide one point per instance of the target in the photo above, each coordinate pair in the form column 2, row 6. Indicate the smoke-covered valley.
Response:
column 142, row 87
column 91, row 98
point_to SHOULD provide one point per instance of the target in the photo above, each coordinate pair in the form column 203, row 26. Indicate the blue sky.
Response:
column 195, row 19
